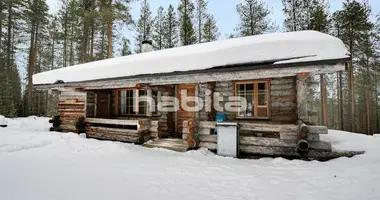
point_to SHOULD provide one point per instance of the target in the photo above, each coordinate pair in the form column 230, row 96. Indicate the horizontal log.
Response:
column 209, row 145
column 75, row 110
column 154, row 123
column 283, row 86
column 275, row 142
column 67, row 127
column 112, row 130
column 71, row 104
column 204, row 131
column 112, row 121
column 318, row 129
column 115, row 137
column 153, row 129
column 294, row 136
column 279, row 93
column 208, row 138
column 207, row 124
column 279, row 81
column 267, row 127
column 283, row 104
column 262, row 141
column 254, row 126
column 291, row 98
column 290, row 152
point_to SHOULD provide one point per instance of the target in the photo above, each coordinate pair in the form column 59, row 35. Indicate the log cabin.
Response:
column 273, row 72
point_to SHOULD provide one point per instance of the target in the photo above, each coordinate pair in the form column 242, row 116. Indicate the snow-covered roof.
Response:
column 277, row 48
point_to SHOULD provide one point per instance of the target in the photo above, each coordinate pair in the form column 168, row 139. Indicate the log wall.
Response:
column 283, row 99
column 71, row 106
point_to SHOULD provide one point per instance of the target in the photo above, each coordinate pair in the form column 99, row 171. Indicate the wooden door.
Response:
column 103, row 104
column 181, row 113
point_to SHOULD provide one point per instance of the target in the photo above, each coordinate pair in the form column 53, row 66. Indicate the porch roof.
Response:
column 275, row 49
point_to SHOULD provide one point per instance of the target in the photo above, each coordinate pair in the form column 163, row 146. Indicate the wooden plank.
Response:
column 112, row 121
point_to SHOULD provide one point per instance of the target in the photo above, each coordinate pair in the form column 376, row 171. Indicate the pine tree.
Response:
column 301, row 14
column 186, row 16
column 37, row 16
column 355, row 28
column 170, row 37
column 126, row 50
column 159, row 29
column 210, row 30
column 144, row 25
column 254, row 18
column 201, row 18
column 319, row 18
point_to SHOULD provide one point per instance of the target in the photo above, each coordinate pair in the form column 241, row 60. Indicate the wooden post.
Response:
column 302, row 93
column 323, row 100
column 150, row 103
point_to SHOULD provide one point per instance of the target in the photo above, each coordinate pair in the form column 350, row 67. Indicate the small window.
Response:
column 126, row 100
column 257, row 95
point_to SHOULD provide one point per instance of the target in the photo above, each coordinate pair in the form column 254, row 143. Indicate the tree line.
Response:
column 32, row 40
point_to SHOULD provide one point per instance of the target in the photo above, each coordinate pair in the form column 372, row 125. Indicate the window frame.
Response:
column 255, row 97
column 116, row 103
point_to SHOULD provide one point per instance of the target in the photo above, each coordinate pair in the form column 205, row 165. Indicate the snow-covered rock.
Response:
column 3, row 121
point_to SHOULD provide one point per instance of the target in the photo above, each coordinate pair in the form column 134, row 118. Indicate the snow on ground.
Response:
column 38, row 164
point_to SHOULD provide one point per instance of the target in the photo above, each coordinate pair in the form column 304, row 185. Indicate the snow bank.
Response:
column 276, row 47
column 37, row 164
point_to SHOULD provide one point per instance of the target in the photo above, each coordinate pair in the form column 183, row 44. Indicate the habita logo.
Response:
column 195, row 104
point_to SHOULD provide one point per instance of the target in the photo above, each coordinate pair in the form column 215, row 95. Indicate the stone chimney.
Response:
column 146, row 46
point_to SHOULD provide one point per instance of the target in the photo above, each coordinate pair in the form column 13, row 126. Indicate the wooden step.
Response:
column 168, row 143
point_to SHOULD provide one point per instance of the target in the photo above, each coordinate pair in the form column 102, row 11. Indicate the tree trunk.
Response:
column 323, row 100
column 368, row 110
column 65, row 40
column 71, row 57
column 377, row 110
column 109, row 31
column 351, row 82
column 33, row 37
column 341, row 101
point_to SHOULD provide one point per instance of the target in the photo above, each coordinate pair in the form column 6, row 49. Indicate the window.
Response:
column 256, row 93
column 126, row 100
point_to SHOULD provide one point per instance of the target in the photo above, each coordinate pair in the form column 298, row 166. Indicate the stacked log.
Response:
column 70, row 111
column 289, row 143
column 112, row 129
column 189, row 133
